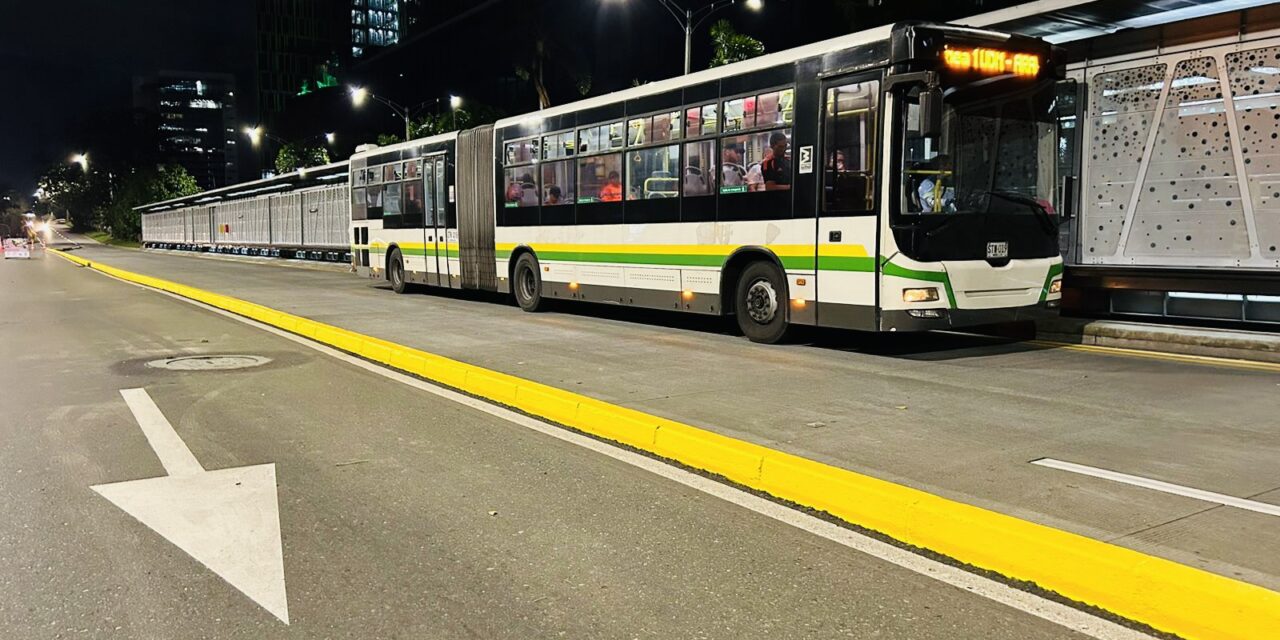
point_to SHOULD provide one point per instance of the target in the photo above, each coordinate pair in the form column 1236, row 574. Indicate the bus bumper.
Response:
column 936, row 319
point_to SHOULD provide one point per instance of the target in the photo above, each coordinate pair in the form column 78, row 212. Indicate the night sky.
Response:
column 64, row 62
column 67, row 65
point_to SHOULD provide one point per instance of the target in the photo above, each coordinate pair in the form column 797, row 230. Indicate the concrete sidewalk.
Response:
column 1198, row 341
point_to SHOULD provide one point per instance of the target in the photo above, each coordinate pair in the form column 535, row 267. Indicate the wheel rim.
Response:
column 397, row 273
column 762, row 301
column 527, row 284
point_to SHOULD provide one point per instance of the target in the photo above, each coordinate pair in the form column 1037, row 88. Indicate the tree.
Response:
column 67, row 191
column 152, row 184
column 456, row 120
column 296, row 155
column 731, row 46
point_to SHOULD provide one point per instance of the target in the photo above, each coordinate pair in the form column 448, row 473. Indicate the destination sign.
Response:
column 991, row 61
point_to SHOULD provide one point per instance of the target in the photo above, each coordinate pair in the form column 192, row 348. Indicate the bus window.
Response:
column 710, row 121
column 758, row 161
column 693, row 122
column 848, row 146
column 557, row 145
column 522, row 151
column 600, row 178
column 558, row 183
column 700, row 168
column 589, row 140
column 740, row 114
column 640, row 131
column 521, row 190
column 777, row 108
column 615, row 135
column 652, row 173
column 666, row 127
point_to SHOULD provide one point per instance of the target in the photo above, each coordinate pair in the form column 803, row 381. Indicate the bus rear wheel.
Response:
column 395, row 271
column 760, row 303
column 526, row 283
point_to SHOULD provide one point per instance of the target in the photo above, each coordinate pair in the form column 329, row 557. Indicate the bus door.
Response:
column 427, row 176
column 439, row 229
column 847, row 221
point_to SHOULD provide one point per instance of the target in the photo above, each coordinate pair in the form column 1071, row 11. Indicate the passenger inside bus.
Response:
column 553, row 195
column 734, row 174
column 777, row 168
column 612, row 190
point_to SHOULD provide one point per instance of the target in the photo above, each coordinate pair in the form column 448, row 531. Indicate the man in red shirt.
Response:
column 777, row 168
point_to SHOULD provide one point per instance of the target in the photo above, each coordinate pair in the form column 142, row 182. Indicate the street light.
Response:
column 330, row 137
column 689, row 19
column 81, row 159
column 455, row 102
column 360, row 94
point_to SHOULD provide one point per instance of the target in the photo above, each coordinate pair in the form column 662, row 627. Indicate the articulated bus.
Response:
column 895, row 179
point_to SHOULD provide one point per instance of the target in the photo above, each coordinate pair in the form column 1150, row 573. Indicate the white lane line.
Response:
column 172, row 451
column 1159, row 485
column 1066, row 616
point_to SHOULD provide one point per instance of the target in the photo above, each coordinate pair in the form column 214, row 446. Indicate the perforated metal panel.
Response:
column 201, row 224
column 326, row 217
column 1255, row 84
column 1189, row 204
column 1121, row 108
column 475, row 206
column 286, row 220
column 1182, row 159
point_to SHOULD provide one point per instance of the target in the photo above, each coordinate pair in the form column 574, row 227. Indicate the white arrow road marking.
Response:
column 228, row 520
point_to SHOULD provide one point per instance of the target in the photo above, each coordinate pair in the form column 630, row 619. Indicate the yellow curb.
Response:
column 1168, row 596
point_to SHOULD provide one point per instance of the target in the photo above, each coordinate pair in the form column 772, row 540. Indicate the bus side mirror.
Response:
column 931, row 113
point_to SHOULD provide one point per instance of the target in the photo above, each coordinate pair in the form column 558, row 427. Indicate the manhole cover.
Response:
column 208, row 363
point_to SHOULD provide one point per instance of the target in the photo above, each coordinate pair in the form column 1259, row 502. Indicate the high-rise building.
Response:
column 299, row 41
column 374, row 24
column 195, row 114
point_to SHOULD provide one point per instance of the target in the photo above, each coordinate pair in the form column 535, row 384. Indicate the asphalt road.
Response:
column 402, row 514
column 959, row 416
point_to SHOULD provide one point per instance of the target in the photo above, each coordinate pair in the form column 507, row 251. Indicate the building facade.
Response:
column 376, row 24
column 195, row 117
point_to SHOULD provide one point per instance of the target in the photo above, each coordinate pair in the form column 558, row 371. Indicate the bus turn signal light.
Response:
column 926, row 294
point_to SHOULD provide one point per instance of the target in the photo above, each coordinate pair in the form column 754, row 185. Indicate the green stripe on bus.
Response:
column 1054, row 270
column 799, row 263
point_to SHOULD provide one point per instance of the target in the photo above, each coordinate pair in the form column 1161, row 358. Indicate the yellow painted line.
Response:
column 1168, row 596
column 1186, row 358
column 788, row 250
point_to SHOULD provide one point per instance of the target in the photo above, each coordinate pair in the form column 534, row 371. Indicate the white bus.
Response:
column 894, row 179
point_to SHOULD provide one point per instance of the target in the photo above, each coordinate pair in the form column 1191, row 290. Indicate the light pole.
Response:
column 360, row 94
column 689, row 19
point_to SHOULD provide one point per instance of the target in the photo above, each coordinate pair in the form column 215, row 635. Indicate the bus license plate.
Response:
column 997, row 249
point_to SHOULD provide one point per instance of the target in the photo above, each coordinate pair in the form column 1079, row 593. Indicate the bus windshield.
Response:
column 996, row 154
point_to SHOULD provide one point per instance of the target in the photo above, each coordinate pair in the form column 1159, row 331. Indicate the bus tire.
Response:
column 395, row 271
column 760, row 303
column 526, row 283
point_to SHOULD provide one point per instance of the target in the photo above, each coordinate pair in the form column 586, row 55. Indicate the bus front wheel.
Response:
column 395, row 271
column 760, row 303
column 526, row 283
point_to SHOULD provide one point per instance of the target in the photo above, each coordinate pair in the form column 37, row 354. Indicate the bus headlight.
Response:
column 1055, row 286
column 925, row 294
